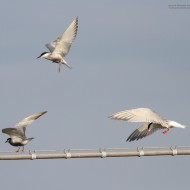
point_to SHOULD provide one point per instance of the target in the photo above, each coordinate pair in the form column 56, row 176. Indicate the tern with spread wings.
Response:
column 60, row 47
column 151, row 122
column 17, row 134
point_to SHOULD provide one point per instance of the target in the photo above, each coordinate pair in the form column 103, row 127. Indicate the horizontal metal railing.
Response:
column 95, row 153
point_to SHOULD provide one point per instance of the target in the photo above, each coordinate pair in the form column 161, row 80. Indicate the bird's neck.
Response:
column 47, row 56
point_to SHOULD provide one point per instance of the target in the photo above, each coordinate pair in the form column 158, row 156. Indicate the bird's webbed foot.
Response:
column 165, row 131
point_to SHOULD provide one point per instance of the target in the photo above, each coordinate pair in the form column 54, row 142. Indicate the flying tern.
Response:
column 60, row 47
column 151, row 122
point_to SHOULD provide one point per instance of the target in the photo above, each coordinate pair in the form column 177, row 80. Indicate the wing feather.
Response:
column 141, row 132
column 21, row 125
column 12, row 132
column 139, row 115
column 63, row 43
column 51, row 45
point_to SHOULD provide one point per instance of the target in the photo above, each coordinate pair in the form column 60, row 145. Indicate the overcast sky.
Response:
column 127, row 54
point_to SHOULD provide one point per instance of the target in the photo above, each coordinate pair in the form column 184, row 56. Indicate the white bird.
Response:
column 60, row 47
column 152, row 122
column 17, row 134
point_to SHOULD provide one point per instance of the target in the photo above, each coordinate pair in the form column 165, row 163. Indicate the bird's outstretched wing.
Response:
column 139, row 115
column 12, row 132
column 63, row 43
column 21, row 125
column 141, row 132
column 51, row 45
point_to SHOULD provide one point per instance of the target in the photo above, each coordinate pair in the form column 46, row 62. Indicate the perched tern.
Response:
column 60, row 47
column 17, row 134
column 152, row 122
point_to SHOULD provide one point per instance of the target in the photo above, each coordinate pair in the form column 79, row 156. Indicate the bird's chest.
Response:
column 24, row 142
column 15, row 141
column 56, row 58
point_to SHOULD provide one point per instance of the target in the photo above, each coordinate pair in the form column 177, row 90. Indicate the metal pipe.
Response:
column 97, row 153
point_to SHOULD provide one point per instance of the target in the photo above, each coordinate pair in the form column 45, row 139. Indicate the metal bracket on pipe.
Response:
column 104, row 154
column 141, row 151
column 174, row 150
column 33, row 155
column 67, row 152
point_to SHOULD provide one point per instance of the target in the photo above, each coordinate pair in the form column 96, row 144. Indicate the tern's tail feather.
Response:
column 65, row 63
column 175, row 124
column 29, row 139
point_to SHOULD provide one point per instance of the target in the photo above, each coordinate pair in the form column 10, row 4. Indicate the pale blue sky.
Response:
column 127, row 54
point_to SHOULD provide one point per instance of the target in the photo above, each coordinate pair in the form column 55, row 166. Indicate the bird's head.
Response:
column 44, row 55
column 8, row 140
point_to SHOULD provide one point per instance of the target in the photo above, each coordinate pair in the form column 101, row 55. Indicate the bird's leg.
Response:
column 165, row 131
column 23, row 149
column 148, row 132
column 18, row 149
column 149, row 129
column 59, row 67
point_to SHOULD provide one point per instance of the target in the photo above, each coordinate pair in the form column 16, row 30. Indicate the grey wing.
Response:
column 141, row 132
column 51, row 45
column 63, row 43
column 139, row 115
column 12, row 132
column 21, row 126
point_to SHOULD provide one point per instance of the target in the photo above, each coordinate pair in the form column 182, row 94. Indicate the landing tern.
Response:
column 17, row 134
column 151, row 122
